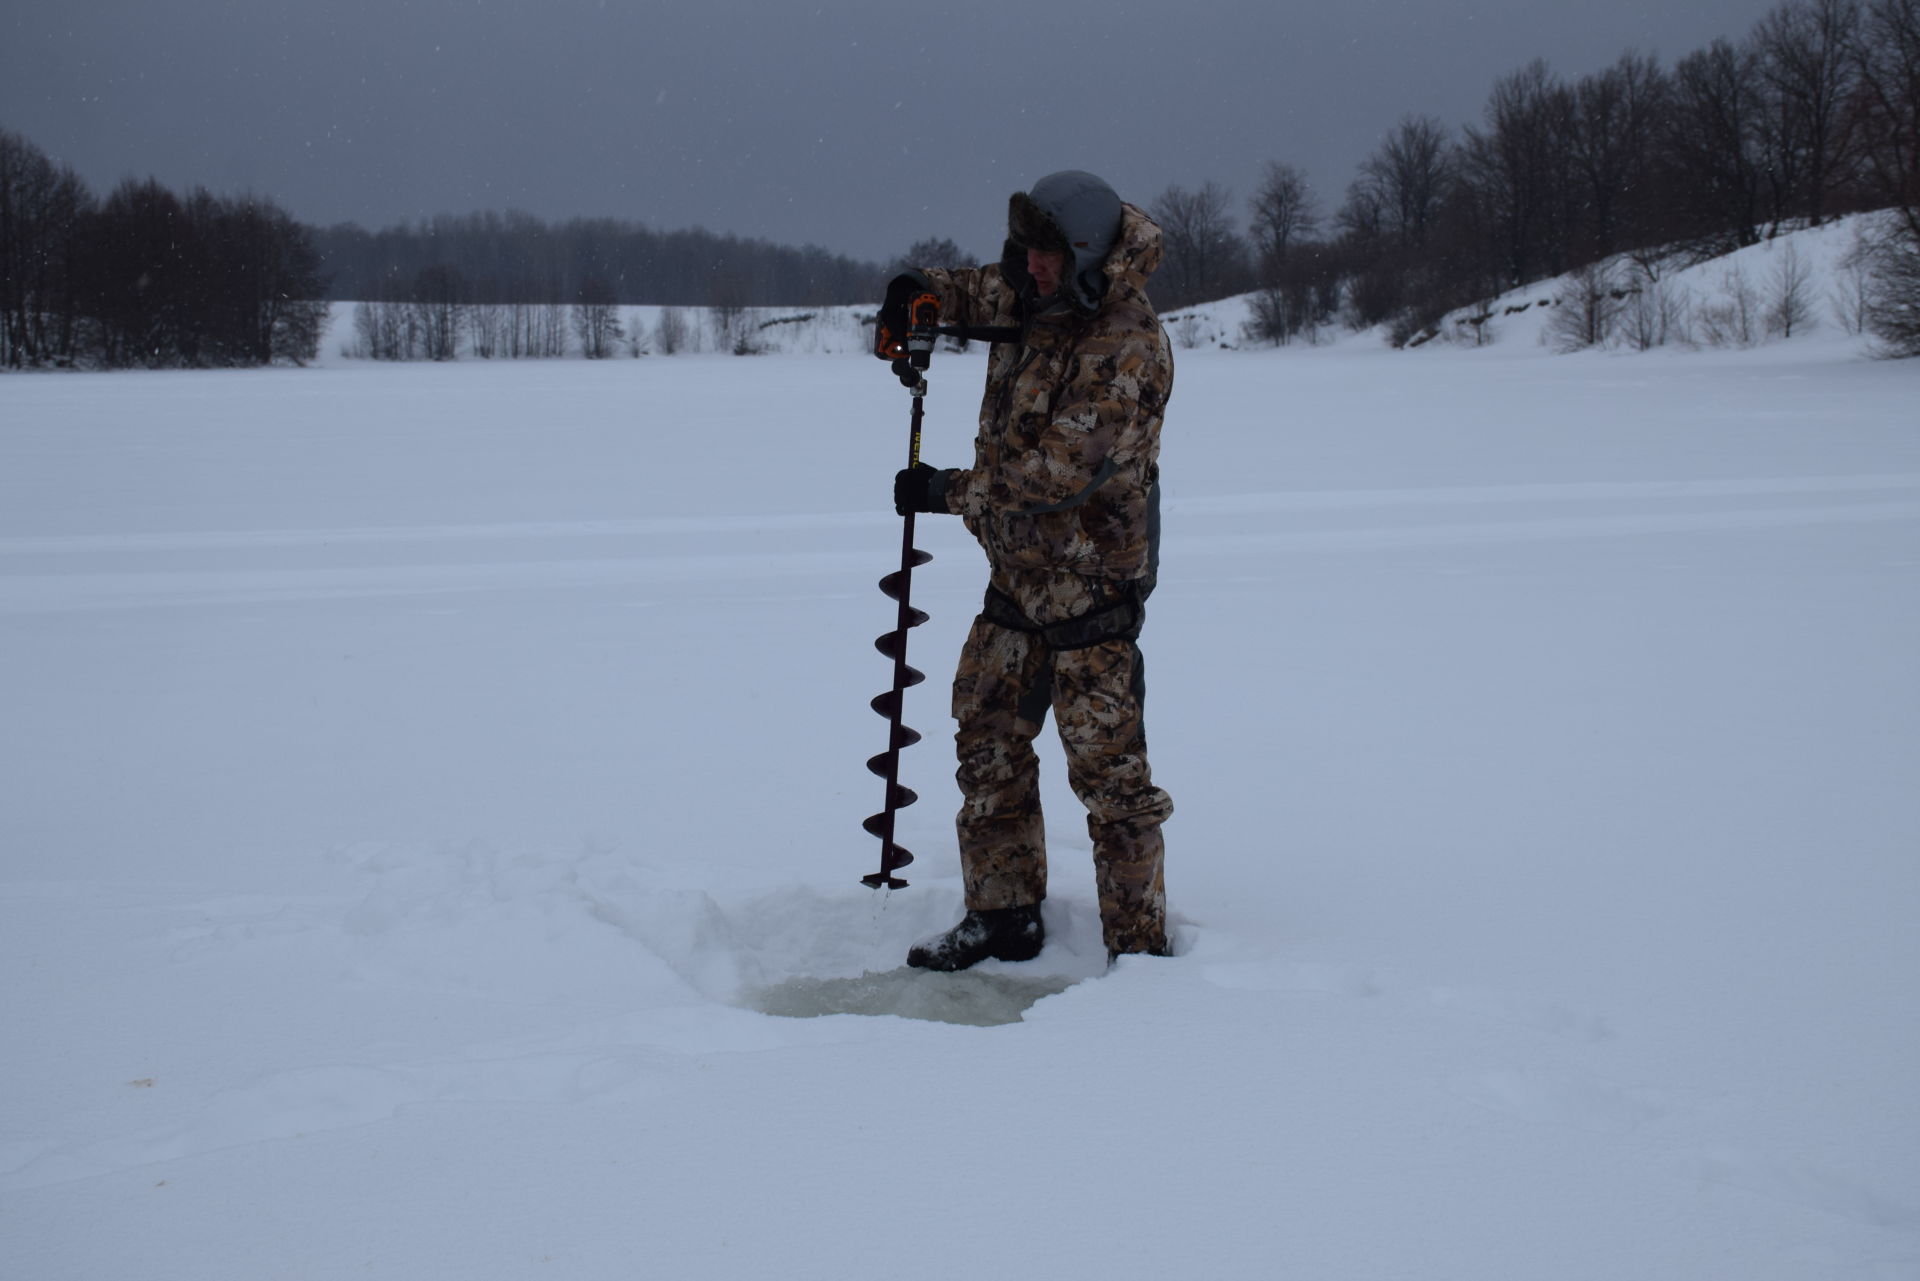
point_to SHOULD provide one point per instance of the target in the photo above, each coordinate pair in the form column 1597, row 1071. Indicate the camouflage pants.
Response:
column 1007, row 681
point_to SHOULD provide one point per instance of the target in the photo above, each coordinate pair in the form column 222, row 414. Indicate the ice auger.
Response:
column 911, row 353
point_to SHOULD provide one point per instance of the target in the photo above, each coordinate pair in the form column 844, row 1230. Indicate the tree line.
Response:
column 517, row 258
column 435, row 318
column 145, row 277
column 509, row 286
column 149, row 278
column 1814, row 114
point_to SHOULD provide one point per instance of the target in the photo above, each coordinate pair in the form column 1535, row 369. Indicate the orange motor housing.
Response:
column 915, row 345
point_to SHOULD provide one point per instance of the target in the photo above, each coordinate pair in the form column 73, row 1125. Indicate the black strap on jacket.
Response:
column 1120, row 619
column 984, row 333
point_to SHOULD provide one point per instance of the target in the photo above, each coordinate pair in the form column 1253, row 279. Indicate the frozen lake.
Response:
column 420, row 780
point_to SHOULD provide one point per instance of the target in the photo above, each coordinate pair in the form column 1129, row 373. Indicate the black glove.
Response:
column 921, row 488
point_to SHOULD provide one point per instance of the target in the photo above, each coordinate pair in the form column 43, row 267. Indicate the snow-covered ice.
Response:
column 428, row 790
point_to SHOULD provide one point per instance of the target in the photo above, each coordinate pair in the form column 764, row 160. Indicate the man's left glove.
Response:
column 921, row 488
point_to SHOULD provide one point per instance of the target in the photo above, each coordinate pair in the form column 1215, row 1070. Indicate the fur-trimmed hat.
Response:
column 1070, row 212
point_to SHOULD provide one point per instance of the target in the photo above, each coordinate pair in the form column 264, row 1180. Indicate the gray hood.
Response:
column 1070, row 212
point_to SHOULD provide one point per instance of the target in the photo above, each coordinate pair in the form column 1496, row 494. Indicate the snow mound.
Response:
column 1804, row 282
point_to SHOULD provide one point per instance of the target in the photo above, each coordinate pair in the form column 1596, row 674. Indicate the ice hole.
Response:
column 976, row 998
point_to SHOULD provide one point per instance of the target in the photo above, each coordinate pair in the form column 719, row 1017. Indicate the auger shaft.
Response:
column 899, row 586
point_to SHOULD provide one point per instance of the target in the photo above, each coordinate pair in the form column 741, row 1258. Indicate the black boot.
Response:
column 1113, row 956
column 1005, row 934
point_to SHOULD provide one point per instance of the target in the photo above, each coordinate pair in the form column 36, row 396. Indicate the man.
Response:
column 1064, row 496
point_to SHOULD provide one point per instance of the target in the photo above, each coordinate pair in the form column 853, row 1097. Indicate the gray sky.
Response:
column 856, row 125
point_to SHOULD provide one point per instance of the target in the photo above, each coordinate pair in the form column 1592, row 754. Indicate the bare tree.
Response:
column 1804, row 52
column 1614, row 148
column 1790, row 298
column 730, row 318
column 146, row 270
column 1712, row 140
column 26, row 178
column 1406, row 179
column 439, row 308
column 1893, row 301
column 670, row 331
column 487, row 329
column 1519, row 167
column 1588, row 312
column 1297, row 298
column 1888, row 59
column 1887, row 56
column 930, row 253
column 43, row 214
column 549, row 331
column 519, row 335
column 1384, row 261
column 1205, row 258
column 1737, row 320
column 1362, row 217
column 596, row 319
column 273, row 283
column 1654, row 311
column 385, row 328
column 1284, row 214
column 1853, row 287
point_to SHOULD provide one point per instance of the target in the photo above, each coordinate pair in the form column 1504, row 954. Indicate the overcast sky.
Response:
column 856, row 125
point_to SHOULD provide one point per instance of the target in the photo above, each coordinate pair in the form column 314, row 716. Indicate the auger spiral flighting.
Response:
column 911, row 353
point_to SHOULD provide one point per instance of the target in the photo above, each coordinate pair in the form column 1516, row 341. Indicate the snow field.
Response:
column 421, row 780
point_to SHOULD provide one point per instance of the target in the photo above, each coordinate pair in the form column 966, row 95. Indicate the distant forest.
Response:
column 515, row 257
column 1813, row 114
column 146, row 278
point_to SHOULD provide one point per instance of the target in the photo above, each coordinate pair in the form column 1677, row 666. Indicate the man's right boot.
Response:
column 1004, row 934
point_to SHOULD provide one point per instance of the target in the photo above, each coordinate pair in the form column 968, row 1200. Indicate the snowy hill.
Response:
column 432, row 839
column 1802, row 282
column 1803, row 285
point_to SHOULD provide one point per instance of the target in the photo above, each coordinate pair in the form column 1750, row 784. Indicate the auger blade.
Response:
column 894, row 644
column 905, row 736
column 899, row 795
column 914, row 618
column 874, row 827
column 888, row 704
column 897, row 586
column 909, row 677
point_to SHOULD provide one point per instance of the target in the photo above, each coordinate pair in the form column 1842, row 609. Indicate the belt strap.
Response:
column 1119, row 620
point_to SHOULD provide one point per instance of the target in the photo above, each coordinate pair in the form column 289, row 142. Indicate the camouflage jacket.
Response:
column 1065, row 473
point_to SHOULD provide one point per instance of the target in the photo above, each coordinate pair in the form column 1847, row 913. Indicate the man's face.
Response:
column 1046, row 269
